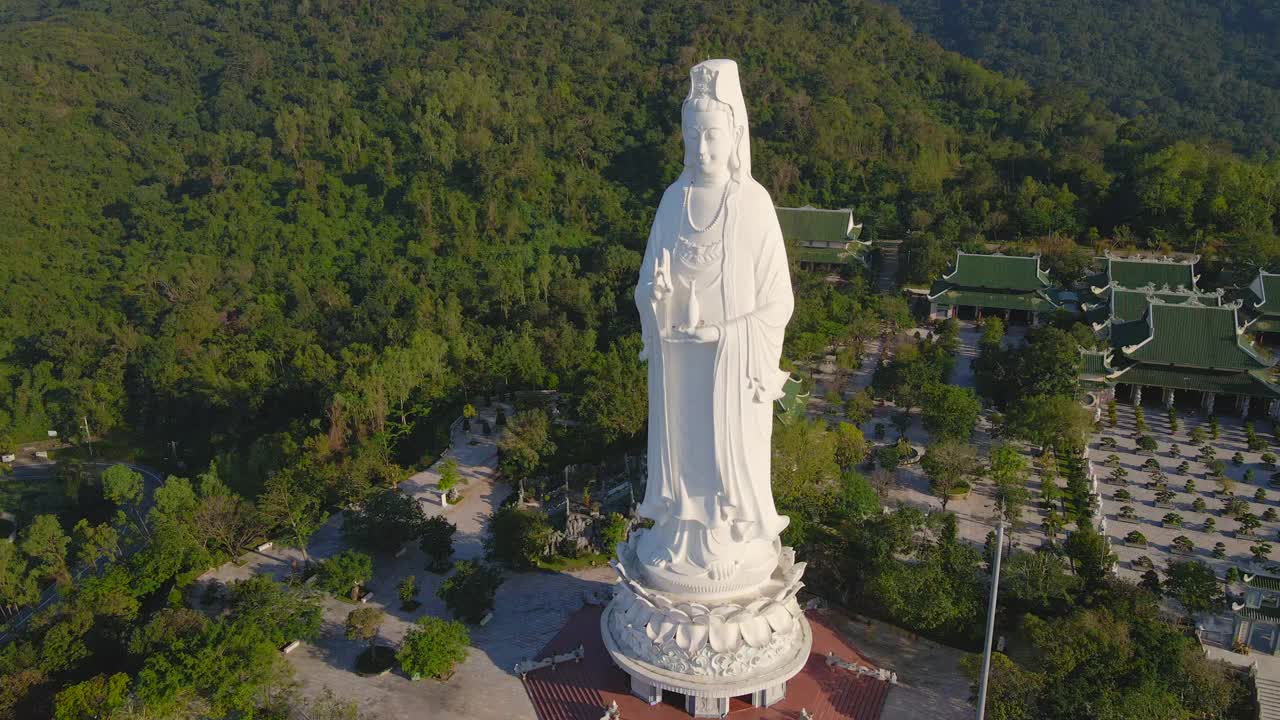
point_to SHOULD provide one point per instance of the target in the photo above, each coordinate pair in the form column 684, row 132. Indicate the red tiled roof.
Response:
column 581, row 690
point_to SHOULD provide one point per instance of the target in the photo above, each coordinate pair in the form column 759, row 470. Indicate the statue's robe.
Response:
column 758, row 302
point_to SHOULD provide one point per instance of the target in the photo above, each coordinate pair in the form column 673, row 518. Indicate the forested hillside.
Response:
column 1196, row 69
column 343, row 213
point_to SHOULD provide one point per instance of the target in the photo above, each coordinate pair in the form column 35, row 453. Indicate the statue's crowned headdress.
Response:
column 704, row 82
column 714, row 84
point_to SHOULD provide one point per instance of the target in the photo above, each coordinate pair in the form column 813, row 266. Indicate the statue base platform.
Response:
column 709, row 695
column 747, row 644
column 582, row 690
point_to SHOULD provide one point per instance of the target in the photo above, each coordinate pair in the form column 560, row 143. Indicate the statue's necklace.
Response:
column 719, row 209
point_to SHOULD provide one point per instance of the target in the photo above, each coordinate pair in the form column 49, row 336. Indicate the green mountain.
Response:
column 1196, row 69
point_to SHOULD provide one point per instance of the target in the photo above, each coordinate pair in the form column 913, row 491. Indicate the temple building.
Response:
column 1015, row 288
column 1139, row 272
column 1262, row 306
column 818, row 239
column 1188, row 346
column 1260, row 610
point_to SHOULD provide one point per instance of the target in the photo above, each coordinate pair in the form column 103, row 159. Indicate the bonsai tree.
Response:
column 1151, row 464
column 1139, row 420
column 1171, row 520
column 1159, row 478
column 1189, row 486
column 1269, row 515
column 1237, row 458
column 1198, row 435
column 1210, row 525
column 1213, row 427
column 1261, row 551
column 1268, row 459
column 1217, row 467
column 1248, row 523
column 1164, row 496
column 1219, row 550
column 1123, row 495
column 1146, row 443
column 408, row 591
column 1183, row 467
column 1234, row 507
column 1173, row 420
column 433, row 647
column 1225, row 484
column 1112, row 460
column 1108, row 443
column 1142, row 561
column 1183, row 544
column 1198, row 504
column 1151, row 583
column 1112, row 416
column 1175, row 450
column 1135, row 538
column 1207, row 454
column 1260, row 495
column 1127, row 513
column 1118, row 475
column 1248, row 476
column 436, row 542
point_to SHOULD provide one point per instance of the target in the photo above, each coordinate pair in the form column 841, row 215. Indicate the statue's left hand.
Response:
column 702, row 334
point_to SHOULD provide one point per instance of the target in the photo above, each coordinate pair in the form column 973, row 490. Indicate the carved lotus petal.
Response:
column 696, row 609
column 662, row 601
column 724, row 636
column 660, row 629
column 778, row 618
column 692, row 636
column 756, row 631
column 797, row 571
column 639, row 613
column 787, row 592
column 754, row 606
column 724, row 611
column 678, row 616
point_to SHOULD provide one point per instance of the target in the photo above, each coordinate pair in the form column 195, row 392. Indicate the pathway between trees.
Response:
column 529, row 610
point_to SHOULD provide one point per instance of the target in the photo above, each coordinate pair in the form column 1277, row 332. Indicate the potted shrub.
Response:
column 1197, row 435
column 1217, row 467
column 1189, row 486
column 1119, row 475
column 1164, row 498
column 1237, row 458
column 1122, row 495
column 1108, row 443
column 1147, row 444
column 1260, row 495
column 1268, row 459
column 1260, row 552
column 1127, row 514
column 1219, row 550
column 1171, row 520
column 1198, row 504
column 1183, row 545
column 1248, row 523
column 1135, row 539
column 1269, row 515
column 1248, row 476
column 1151, row 464
column 1183, row 467
column 1210, row 525
column 1142, row 562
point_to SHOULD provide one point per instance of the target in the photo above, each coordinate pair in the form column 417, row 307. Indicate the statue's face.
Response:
column 708, row 136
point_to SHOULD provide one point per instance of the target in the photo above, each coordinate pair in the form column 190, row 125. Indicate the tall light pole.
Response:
column 991, row 622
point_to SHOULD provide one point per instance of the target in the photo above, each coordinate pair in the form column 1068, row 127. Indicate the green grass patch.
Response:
column 561, row 564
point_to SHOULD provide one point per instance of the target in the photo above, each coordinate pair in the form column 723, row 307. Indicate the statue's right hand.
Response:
column 661, row 286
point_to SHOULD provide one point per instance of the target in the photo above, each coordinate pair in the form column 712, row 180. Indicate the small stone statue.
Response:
column 612, row 712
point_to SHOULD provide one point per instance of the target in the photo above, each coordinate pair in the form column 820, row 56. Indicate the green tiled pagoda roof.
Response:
column 1263, row 582
column 1266, row 291
column 995, row 300
column 807, row 224
column 997, row 272
column 1223, row 383
column 1259, row 614
column 1094, row 363
column 1136, row 273
column 1129, row 333
column 1194, row 336
column 1128, row 304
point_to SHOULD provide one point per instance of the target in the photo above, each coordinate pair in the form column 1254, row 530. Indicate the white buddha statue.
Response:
column 714, row 298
